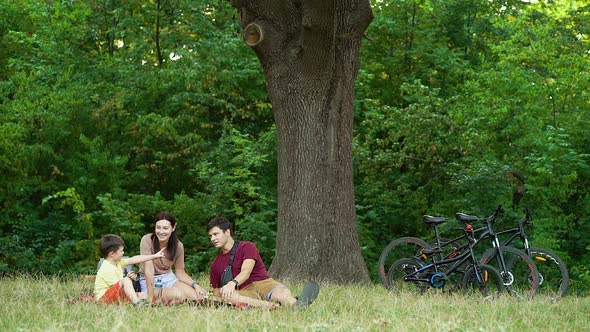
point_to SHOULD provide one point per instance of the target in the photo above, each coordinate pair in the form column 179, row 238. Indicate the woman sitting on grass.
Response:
column 175, row 286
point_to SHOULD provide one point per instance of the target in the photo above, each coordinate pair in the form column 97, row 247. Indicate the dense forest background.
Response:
column 112, row 110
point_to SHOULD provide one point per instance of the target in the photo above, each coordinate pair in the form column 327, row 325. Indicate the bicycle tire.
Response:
column 520, row 275
column 399, row 270
column 553, row 273
column 403, row 247
column 491, row 285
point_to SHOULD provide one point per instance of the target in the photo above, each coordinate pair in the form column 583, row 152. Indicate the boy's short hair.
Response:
column 222, row 223
column 110, row 243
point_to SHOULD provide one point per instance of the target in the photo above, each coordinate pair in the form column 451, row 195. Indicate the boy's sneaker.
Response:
column 310, row 292
column 141, row 303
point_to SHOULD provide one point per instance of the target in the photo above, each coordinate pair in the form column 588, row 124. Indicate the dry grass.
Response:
column 39, row 304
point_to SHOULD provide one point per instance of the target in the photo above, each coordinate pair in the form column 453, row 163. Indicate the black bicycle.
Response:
column 519, row 273
column 553, row 273
column 426, row 271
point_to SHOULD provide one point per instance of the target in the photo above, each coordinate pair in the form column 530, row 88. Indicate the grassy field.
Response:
column 39, row 304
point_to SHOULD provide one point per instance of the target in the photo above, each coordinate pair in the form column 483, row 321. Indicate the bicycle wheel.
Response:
column 519, row 273
column 403, row 247
column 487, row 281
column 399, row 270
column 553, row 274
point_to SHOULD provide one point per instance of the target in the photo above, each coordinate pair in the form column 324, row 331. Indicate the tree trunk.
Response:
column 309, row 50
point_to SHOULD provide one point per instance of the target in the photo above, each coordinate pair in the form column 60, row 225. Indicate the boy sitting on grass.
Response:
column 111, row 285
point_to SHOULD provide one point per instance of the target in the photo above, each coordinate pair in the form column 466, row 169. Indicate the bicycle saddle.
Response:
column 433, row 220
column 465, row 218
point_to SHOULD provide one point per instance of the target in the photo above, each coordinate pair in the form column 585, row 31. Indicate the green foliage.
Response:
column 477, row 106
column 239, row 184
column 97, row 135
column 460, row 106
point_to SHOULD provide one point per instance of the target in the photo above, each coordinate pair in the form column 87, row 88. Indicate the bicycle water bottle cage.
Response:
column 430, row 220
column 465, row 218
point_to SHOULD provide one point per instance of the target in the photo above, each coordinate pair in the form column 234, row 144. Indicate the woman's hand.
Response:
column 201, row 292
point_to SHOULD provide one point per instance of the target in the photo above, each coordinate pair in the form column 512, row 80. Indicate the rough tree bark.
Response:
column 309, row 51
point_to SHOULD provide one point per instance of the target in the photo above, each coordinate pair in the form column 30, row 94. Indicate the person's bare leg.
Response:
column 173, row 294
column 283, row 296
column 178, row 293
column 244, row 299
column 187, row 292
column 127, row 285
column 252, row 301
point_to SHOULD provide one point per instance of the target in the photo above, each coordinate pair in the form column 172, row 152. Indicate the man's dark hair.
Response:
column 110, row 243
column 222, row 223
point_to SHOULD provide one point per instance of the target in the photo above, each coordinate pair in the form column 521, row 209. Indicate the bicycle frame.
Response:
column 487, row 231
column 518, row 232
column 457, row 261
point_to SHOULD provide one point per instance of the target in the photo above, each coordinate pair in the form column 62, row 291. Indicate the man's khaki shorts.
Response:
column 261, row 290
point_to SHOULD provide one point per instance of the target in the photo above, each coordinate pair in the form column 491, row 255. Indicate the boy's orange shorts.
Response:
column 114, row 294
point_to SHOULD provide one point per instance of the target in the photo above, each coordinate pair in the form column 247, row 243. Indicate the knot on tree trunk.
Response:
column 253, row 34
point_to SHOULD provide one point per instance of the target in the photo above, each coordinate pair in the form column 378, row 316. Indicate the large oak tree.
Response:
column 309, row 51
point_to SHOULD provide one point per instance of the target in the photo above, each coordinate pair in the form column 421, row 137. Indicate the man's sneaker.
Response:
column 310, row 292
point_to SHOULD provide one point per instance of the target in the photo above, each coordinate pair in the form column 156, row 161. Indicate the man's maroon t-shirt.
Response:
column 245, row 250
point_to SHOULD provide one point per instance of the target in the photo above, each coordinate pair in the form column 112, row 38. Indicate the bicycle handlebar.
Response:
column 499, row 210
column 526, row 220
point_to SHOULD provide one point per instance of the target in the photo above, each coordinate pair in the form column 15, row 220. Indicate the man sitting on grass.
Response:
column 251, row 283
column 110, row 285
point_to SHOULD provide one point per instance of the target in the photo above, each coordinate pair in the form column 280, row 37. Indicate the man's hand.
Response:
column 228, row 290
